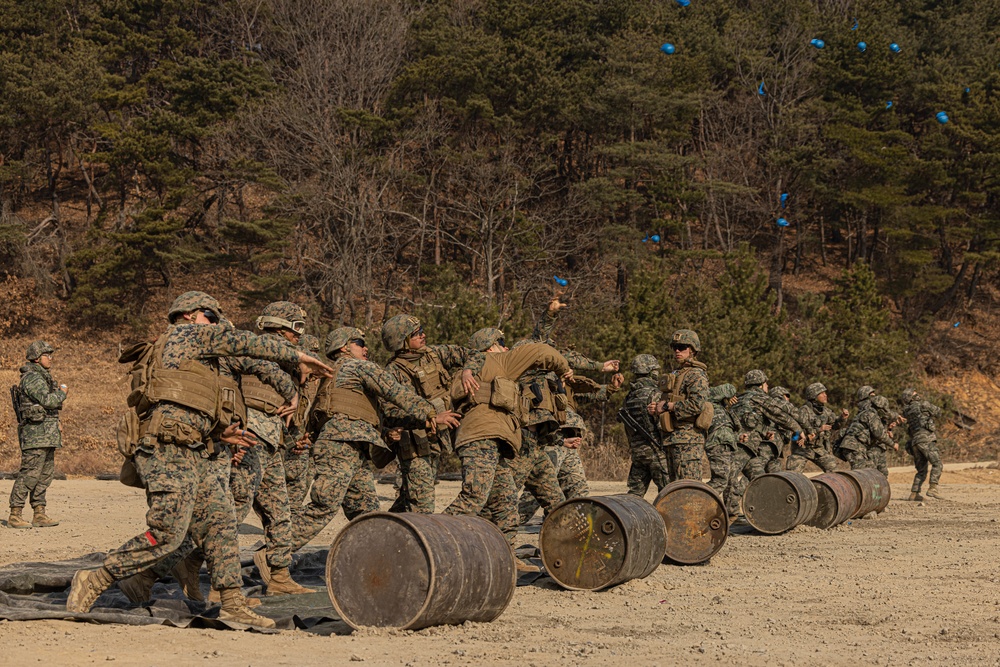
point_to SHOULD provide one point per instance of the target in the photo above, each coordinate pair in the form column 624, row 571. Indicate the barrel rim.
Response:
column 677, row 485
column 403, row 519
column 593, row 499
column 826, row 479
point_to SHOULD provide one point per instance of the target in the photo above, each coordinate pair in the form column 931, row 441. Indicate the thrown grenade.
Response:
column 818, row 43
column 894, row 47
column 668, row 48
column 784, row 199
column 655, row 238
column 562, row 282
column 942, row 117
column 862, row 47
column 782, row 222
column 683, row 3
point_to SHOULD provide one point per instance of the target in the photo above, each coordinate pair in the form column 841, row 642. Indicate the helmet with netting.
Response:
column 814, row 390
column 864, row 392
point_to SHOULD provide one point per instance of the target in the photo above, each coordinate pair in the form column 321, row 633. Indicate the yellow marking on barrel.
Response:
column 586, row 545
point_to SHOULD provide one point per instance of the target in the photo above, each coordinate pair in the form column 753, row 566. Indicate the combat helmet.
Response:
column 309, row 343
column 574, row 425
column 754, row 378
column 338, row 338
column 814, row 390
column 908, row 396
column 283, row 315
column 484, row 339
column 864, row 392
column 396, row 330
column 37, row 349
column 192, row 301
column 644, row 364
column 686, row 337
column 779, row 392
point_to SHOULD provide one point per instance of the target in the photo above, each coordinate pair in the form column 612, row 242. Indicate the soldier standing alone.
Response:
column 923, row 448
column 37, row 401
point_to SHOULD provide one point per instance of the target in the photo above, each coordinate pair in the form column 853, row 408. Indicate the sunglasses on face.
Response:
column 501, row 342
column 210, row 316
column 418, row 332
column 358, row 342
column 678, row 347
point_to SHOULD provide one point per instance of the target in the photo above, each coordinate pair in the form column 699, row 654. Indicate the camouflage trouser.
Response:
column 535, row 471
column 187, row 494
column 416, row 492
column 38, row 467
column 685, row 449
column 720, row 462
column 344, row 478
column 269, row 501
column 298, row 476
column 877, row 460
column 747, row 466
column 857, row 458
column 572, row 476
column 824, row 459
column 649, row 464
column 925, row 455
column 487, row 487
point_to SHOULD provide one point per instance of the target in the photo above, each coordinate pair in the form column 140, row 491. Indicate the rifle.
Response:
column 15, row 399
column 626, row 418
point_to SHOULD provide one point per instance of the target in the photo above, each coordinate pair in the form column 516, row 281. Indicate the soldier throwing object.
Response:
column 920, row 415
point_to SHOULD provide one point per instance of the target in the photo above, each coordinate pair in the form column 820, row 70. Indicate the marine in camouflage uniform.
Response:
column 39, row 434
column 348, row 431
column 175, row 461
column 820, row 421
column 720, row 443
column 490, row 433
column 920, row 416
column 298, row 467
column 649, row 462
column 428, row 370
column 685, row 396
column 866, row 435
column 782, row 436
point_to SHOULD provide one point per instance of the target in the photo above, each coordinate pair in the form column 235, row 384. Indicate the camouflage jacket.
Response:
column 642, row 391
column 723, row 429
column 41, row 401
column 756, row 413
column 206, row 343
column 866, row 430
column 814, row 416
column 693, row 394
column 368, row 378
column 920, row 417
column 270, row 429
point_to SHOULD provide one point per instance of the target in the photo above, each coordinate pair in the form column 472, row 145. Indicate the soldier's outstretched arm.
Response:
column 533, row 355
column 381, row 383
column 776, row 412
column 37, row 389
column 878, row 430
column 269, row 373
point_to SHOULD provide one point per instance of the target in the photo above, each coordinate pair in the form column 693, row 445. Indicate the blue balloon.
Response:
column 894, row 47
column 668, row 48
column 655, row 238
column 782, row 222
column 942, row 117
column 818, row 43
column 760, row 89
column 888, row 105
column 562, row 282
column 862, row 47
column 784, row 199
column 683, row 3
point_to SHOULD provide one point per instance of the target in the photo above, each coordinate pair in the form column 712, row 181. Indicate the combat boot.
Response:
column 15, row 520
column 260, row 560
column 139, row 587
column 87, row 586
column 524, row 566
column 40, row 520
column 186, row 573
column 235, row 610
column 282, row 584
column 214, row 598
column 914, row 495
column 932, row 491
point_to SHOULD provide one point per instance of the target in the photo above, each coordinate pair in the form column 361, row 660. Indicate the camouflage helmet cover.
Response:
column 779, row 392
column 644, row 364
column 283, row 315
column 309, row 343
column 396, row 330
column 864, row 392
column 574, row 422
column 686, row 337
column 754, row 378
column 192, row 301
column 37, row 349
column 484, row 339
column 338, row 338
column 908, row 396
column 814, row 390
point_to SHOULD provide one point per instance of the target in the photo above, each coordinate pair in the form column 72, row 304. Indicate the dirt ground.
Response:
column 917, row 585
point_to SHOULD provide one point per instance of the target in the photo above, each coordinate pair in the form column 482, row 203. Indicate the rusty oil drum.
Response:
column 411, row 571
column 695, row 519
column 872, row 487
column 779, row 501
column 596, row 542
column 838, row 499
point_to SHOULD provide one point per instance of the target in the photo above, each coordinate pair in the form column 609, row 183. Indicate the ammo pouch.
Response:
column 232, row 408
column 704, row 420
column 171, row 431
column 128, row 434
column 562, row 403
column 505, row 395
column 666, row 422
column 33, row 414
column 129, row 475
column 413, row 444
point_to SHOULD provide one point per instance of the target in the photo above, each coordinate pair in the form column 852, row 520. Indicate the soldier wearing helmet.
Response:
column 298, row 469
column 345, row 425
column 649, row 460
column 821, row 422
column 177, row 454
column 866, row 435
column 684, row 409
column 920, row 415
column 37, row 401
column 721, row 443
column 428, row 369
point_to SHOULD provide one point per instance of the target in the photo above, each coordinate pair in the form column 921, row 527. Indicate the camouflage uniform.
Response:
column 865, row 436
column 649, row 461
column 535, row 470
column 428, row 371
column 720, row 444
column 341, row 454
column 920, row 415
column 814, row 416
column 298, row 467
column 685, row 445
column 38, row 430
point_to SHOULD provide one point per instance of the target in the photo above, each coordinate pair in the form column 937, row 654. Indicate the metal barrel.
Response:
column 873, row 489
column 838, row 500
column 779, row 501
column 596, row 542
column 695, row 519
column 411, row 571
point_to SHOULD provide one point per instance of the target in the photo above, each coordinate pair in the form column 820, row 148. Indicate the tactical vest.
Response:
column 260, row 396
column 353, row 403
column 430, row 378
column 193, row 384
column 671, row 385
column 636, row 403
column 504, row 395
